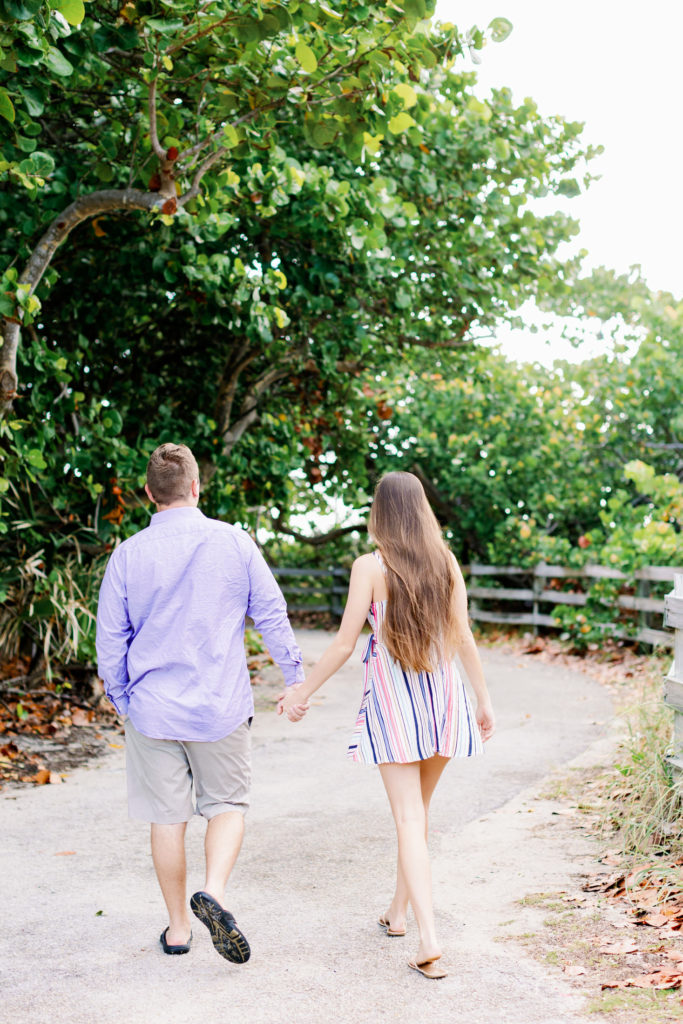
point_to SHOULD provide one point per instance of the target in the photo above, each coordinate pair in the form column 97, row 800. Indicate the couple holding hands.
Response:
column 170, row 629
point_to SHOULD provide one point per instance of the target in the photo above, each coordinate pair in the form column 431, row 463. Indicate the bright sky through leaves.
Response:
column 616, row 67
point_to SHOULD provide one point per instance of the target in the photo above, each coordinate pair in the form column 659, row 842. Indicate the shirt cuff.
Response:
column 294, row 672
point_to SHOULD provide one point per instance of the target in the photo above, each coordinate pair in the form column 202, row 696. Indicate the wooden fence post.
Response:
column 673, row 692
column 538, row 586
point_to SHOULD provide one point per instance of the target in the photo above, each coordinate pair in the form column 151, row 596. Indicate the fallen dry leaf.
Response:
column 81, row 717
column 65, row 853
column 41, row 777
column 573, row 970
column 662, row 978
column 116, row 746
column 55, row 779
column 654, row 920
column 618, row 948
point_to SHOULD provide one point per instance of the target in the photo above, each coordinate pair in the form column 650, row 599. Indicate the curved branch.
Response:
column 92, row 205
column 317, row 540
column 153, row 133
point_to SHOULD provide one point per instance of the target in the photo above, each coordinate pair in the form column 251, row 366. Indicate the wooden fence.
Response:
column 322, row 590
column 315, row 590
column 540, row 593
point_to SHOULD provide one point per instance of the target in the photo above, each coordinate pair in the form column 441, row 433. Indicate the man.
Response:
column 170, row 632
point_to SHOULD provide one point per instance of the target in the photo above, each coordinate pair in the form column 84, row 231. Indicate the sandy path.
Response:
column 315, row 871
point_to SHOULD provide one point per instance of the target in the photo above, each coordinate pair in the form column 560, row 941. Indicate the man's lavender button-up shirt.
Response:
column 170, row 626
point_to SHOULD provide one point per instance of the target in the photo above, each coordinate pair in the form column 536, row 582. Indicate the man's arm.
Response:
column 268, row 608
column 113, row 637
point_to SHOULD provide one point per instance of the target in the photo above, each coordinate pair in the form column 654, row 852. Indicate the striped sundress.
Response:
column 407, row 715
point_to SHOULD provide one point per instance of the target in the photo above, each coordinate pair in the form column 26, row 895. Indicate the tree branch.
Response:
column 228, row 387
column 249, row 411
column 92, row 205
column 153, row 134
column 317, row 540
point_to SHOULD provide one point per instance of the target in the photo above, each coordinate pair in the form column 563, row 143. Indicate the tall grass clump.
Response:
column 644, row 795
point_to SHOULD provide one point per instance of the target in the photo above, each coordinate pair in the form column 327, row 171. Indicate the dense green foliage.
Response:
column 270, row 205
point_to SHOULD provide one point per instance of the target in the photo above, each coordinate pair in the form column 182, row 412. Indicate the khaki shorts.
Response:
column 162, row 774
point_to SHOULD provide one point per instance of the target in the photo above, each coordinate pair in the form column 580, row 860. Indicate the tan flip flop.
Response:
column 429, row 968
column 391, row 932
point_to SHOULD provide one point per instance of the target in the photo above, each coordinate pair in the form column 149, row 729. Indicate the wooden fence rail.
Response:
column 322, row 590
column 539, row 593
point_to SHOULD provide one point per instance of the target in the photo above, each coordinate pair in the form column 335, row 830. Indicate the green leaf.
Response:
column 43, row 163
column 479, row 109
column 500, row 29
column 231, row 136
column 400, row 123
column 569, row 187
column 307, row 59
column 501, row 148
column 34, row 100
column 166, row 26
column 112, row 421
column 372, row 142
column 407, row 94
column 23, row 10
column 415, row 8
column 57, row 63
column 6, row 106
column 4, row 485
column 72, row 10
column 35, row 458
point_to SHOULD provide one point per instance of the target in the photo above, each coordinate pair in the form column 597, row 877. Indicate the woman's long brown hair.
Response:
column 421, row 623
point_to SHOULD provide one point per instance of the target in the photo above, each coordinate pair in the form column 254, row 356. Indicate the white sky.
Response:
column 615, row 65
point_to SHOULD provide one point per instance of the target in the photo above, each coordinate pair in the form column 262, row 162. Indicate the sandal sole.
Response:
column 227, row 939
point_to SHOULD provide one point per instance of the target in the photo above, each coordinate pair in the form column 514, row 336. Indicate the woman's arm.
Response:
column 469, row 656
column 340, row 650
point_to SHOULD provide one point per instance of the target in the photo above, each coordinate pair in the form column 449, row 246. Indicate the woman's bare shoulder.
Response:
column 366, row 563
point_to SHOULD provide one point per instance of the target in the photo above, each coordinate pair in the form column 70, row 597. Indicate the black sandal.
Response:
column 174, row 950
column 227, row 939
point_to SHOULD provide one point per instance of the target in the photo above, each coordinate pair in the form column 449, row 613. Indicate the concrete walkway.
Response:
column 79, row 938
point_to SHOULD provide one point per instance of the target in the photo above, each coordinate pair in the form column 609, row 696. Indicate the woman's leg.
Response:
column 430, row 773
column 403, row 784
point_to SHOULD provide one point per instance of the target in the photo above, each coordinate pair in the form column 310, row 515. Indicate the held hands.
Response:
column 485, row 720
column 288, row 704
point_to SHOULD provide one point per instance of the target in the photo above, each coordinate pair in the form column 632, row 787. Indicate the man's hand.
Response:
column 288, row 704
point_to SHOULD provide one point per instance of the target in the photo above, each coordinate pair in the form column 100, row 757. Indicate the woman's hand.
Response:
column 290, row 705
column 485, row 720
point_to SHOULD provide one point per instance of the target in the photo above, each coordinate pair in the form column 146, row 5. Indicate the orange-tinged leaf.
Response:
column 41, row 777
column 658, row 979
column 654, row 920
column 99, row 232
column 618, row 948
column 65, row 853
column 116, row 746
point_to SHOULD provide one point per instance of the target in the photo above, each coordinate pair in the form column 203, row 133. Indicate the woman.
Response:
column 415, row 714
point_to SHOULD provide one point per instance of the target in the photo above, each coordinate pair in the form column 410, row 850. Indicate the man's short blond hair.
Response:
column 170, row 472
